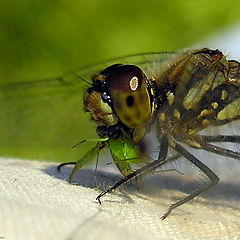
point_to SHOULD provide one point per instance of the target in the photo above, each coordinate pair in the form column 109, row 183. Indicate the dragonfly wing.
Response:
column 43, row 119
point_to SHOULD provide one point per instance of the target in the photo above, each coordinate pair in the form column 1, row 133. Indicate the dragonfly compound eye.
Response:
column 101, row 111
column 130, row 96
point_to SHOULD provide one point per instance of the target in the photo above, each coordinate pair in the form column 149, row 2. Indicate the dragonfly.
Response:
column 180, row 94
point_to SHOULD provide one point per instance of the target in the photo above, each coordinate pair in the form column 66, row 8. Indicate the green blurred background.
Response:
column 44, row 39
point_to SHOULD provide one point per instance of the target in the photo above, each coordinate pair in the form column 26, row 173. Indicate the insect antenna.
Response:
column 84, row 80
column 76, row 145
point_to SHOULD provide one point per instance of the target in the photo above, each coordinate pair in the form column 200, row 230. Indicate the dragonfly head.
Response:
column 121, row 94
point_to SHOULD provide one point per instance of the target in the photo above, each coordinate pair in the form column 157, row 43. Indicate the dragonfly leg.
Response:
column 162, row 158
column 219, row 150
column 208, row 172
column 221, row 138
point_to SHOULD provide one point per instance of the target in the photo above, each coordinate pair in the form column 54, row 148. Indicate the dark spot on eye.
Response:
column 130, row 101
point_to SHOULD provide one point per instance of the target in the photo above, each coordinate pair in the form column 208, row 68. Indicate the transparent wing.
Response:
column 44, row 119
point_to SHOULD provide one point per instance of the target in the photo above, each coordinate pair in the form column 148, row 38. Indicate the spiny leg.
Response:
column 170, row 159
column 150, row 166
column 221, row 138
column 209, row 173
column 73, row 163
column 218, row 150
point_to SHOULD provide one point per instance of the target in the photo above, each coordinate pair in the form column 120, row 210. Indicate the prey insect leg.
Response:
column 150, row 166
column 65, row 164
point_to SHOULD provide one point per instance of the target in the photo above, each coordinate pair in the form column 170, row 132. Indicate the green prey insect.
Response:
column 123, row 151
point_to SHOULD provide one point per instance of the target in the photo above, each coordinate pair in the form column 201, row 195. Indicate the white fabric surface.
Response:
column 36, row 202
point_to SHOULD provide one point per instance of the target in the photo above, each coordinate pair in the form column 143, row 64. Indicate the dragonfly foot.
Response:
column 166, row 214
